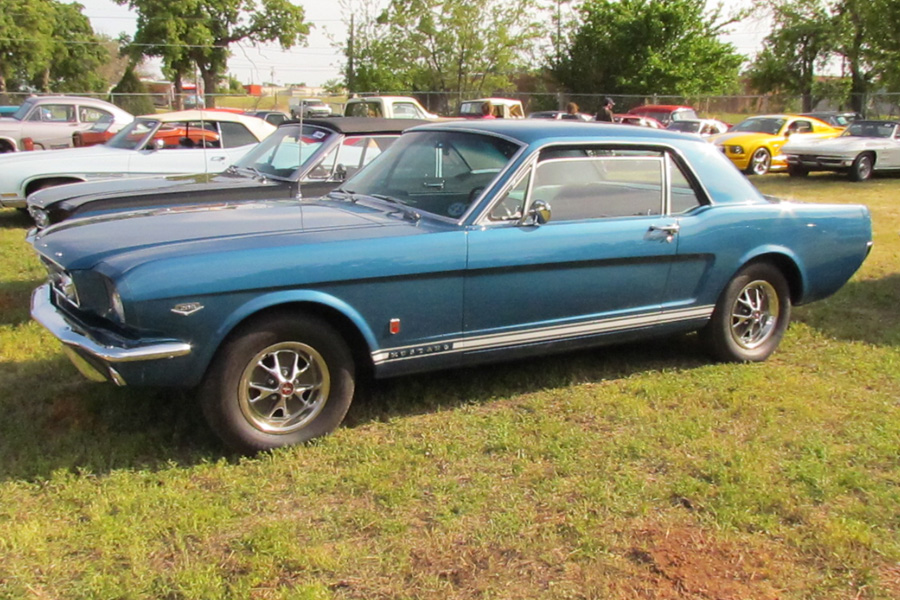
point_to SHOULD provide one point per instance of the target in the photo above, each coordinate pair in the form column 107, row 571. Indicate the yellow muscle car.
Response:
column 754, row 144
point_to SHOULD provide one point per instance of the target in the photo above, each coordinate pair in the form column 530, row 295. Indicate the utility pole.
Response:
column 351, row 71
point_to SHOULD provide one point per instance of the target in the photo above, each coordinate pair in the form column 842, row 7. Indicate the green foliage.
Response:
column 198, row 33
column 800, row 44
column 648, row 47
column 439, row 45
column 131, row 94
column 232, row 85
column 50, row 46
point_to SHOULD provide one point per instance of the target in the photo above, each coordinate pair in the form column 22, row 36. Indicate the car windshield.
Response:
column 688, row 126
column 281, row 154
column 23, row 110
column 440, row 172
column 869, row 129
column 470, row 109
column 132, row 137
column 768, row 125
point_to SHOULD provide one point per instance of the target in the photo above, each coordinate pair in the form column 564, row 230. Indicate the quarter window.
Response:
column 626, row 184
column 236, row 135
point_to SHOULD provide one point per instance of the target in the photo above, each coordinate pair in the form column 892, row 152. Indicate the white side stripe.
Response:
column 542, row 334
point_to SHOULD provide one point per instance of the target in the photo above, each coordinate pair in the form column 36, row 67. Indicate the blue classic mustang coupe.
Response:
column 465, row 242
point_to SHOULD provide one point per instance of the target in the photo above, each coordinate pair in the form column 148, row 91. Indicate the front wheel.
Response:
column 862, row 168
column 751, row 315
column 279, row 381
column 760, row 162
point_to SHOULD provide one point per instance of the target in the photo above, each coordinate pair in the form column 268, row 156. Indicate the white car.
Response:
column 184, row 142
column 863, row 148
column 48, row 122
column 701, row 127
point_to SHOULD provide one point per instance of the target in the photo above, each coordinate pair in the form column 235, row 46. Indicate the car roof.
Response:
column 259, row 127
column 538, row 131
column 500, row 101
column 661, row 107
column 360, row 125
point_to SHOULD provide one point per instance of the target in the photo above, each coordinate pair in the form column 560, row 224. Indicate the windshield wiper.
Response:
column 408, row 211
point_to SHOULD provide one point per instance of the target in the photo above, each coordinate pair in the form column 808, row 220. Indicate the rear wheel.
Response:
column 862, row 167
column 282, row 380
column 751, row 315
column 760, row 162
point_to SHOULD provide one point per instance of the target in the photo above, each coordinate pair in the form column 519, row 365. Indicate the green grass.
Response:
column 639, row 471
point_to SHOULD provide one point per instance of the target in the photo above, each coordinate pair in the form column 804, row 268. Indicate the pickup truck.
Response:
column 389, row 107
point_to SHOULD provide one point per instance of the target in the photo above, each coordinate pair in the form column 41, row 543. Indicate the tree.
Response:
column 802, row 41
column 649, row 47
column 24, row 34
column 199, row 32
column 74, row 53
column 131, row 94
column 439, row 45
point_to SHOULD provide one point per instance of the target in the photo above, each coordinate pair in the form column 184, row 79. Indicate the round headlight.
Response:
column 737, row 150
column 40, row 216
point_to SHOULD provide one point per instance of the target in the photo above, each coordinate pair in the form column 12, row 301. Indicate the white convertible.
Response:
column 863, row 148
column 184, row 142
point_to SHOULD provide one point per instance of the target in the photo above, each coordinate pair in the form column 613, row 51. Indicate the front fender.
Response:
column 280, row 298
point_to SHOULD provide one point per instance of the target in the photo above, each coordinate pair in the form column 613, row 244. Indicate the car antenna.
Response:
column 300, row 155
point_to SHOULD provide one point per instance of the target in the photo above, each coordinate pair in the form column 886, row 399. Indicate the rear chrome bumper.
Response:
column 92, row 356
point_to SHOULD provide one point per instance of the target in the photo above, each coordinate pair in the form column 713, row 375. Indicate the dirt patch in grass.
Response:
column 683, row 562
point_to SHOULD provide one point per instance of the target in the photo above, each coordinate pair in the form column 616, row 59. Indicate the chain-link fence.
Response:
column 875, row 105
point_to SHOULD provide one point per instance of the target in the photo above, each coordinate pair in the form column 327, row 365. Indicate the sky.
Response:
column 319, row 61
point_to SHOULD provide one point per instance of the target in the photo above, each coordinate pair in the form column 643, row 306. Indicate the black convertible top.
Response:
column 361, row 125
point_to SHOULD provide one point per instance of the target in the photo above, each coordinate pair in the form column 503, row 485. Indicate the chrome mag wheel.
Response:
column 754, row 314
column 284, row 387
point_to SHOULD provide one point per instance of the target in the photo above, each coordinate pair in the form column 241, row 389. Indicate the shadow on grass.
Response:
column 11, row 218
column 862, row 311
column 59, row 421
column 15, row 301
column 425, row 393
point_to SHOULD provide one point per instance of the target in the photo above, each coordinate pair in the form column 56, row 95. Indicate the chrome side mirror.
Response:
column 340, row 173
column 538, row 213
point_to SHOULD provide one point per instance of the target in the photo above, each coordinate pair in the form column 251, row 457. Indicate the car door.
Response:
column 599, row 265
column 51, row 125
column 181, row 147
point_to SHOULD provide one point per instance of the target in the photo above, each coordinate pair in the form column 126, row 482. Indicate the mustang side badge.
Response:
column 188, row 308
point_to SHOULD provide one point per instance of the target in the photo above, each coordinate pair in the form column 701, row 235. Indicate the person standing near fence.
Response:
column 606, row 112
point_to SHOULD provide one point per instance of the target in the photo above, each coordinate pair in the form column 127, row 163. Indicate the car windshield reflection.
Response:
column 132, row 137
column 283, row 153
column 868, row 129
column 438, row 172
column 764, row 125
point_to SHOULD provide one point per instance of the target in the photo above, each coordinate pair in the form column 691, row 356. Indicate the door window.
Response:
column 88, row 114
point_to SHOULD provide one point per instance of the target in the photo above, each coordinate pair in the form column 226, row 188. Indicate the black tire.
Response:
column 296, row 406
column 862, row 167
column 797, row 171
column 751, row 315
column 760, row 162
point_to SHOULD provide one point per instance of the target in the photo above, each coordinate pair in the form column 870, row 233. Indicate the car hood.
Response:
column 126, row 240
column 740, row 138
column 836, row 145
column 174, row 185
column 90, row 155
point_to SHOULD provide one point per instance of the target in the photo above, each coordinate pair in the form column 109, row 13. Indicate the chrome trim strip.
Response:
column 547, row 334
column 44, row 312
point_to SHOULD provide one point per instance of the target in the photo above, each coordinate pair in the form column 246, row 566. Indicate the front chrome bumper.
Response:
column 95, row 359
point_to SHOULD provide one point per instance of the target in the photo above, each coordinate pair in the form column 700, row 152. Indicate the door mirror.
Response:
column 538, row 213
column 340, row 173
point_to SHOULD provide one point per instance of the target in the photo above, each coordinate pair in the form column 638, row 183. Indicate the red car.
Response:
column 664, row 113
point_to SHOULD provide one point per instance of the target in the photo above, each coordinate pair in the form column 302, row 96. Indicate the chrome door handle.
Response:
column 217, row 158
column 669, row 230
